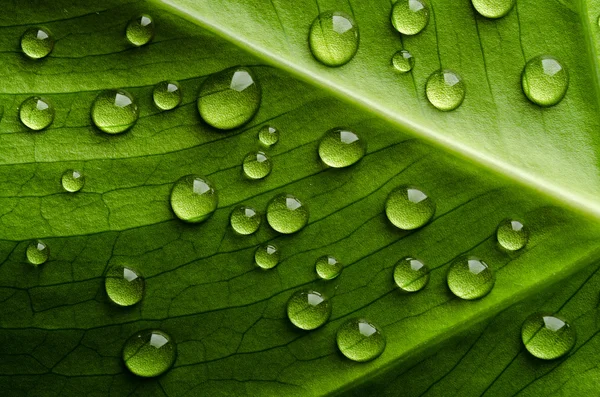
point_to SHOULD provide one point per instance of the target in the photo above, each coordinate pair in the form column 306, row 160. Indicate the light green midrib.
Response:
column 543, row 186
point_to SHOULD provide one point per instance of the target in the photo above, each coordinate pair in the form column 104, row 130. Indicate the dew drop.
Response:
column 149, row 353
column 286, row 214
column 140, row 30
column 470, row 278
column 308, row 310
column 124, row 285
column 72, row 180
column 37, row 252
column 410, row 17
column 244, row 220
column 445, row 90
column 341, row 148
column 360, row 340
column 257, row 165
column 193, row 199
column 411, row 275
column 333, row 38
column 37, row 43
column 328, row 267
column 512, row 235
column 36, row 113
column 115, row 111
column 229, row 99
column 167, row 95
column 403, row 61
column 547, row 337
column 408, row 208
column 267, row 256
column 545, row 80
column 493, row 8
column 268, row 135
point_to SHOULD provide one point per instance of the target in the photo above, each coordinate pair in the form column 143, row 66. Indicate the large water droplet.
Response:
column 140, row 30
column 167, row 95
column 36, row 113
column 229, row 99
column 403, row 61
column 410, row 16
column 493, row 8
column 72, row 180
column 547, row 337
column 149, row 353
column 341, row 148
column 124, row 285
column 408, row 208
column 193, row 198
column 244, row 220
column 333, row 38
column 37, row 43
column 257, row 165
column 286, row 214
column 470, row 278
column 512, row 235
column 445, row 90
column 545, row 80
column 115, row 111
column 37, row 252
column 328, row 267
column 268, row 135
column 360, row 340
column 267, row 256
column 411, row 274
column 308, row 309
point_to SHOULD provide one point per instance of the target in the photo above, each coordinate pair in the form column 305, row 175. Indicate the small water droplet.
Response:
column 411, row 275
column 308, row 310
column 328, row 267
column 547, row 336
column 512, row 235
column 493, row 8
column 470, row 278
column 115, row 111
column 360, row 340
column 267, row 256
column 36, row 113
column 124, row 285
column 72, row 180
column 229, row 99
column 193, row 198
column 149, row 353
column 37, row 252
column 268, row 135
column 445, row 90
column 545, row 80
column 333, row 38
column 257, row 165
column 37, row 43
column 341, row 148
column 408, row 208
column 140, row 30
column 244, row 220
column 286, row 214
column 410, row 17
column 167, row 95
column 403, row 61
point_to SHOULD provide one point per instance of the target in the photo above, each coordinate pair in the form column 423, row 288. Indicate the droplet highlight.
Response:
column 411, row 275
column 37, row 252
column 244, row 220
column 340, row 148
column 308, row 310
column 149, row 353
column 37, row 43
column 328, row 267
column 470, row 278
column 410, row 17
column 512, row 235
column 72, row 180
column 267, row 256
column 124, row 285
column 167, row 95
column 493, row 8
column 115, row 111
column 268, row 135
column 547, row 336
column 445, row 90
column 545, row 80
column 36, row 113
column 193, row 198
column 257, row 165
column 360, row 340
column 403, row 61
column 140, row 30
column 333, row 38
column 287, row 214
column 409, row 208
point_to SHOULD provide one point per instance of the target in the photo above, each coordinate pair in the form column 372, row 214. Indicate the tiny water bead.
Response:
column 244, row 220
column 37, row 252
column 72, row 181
column 403, row 61
column 229, row 99
column 149, row 353
column 411, row 275
column 257, row 165
column 124, row 285
column 37, row 43
column 328, row 267
column 470, row 278
column 268, row 135
column 286, row 214
column 410, row 17
column 308, row 310
column 512, row 235
column 167, row 95
column 445, row 90
column 409, row 208
column 36, row 113
column 333, row 38
column 493, row 8
column 360, row 340
column 115, row 111
column 547, row 337
column 341, row 148
column 193, row 198
column 140, row 30
column 545, row 80
column 267, row 256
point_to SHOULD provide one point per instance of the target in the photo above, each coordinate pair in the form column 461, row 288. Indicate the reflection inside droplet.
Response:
column 314, row 299
column 553, row 323
column 292, row 203
column 200, row 187
column 340, row 24
column 475, row 266
column 122, row 100
column 366, row 329
column 241, row 80
column 157, row 340
column 551, row 66
column 416, row 196
column 129, row 275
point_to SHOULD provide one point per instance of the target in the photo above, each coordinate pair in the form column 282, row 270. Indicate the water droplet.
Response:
column 328, row 267
column 512, row 235
column 411, row 275
column 333, row 38
column 470, row 278
column 545, row 80
column 308, row 309
column 115, row 111
column 193, row 199
column 403, row 61
column 410, row 17
column 149, row 353
column 167, row 95
column 286, row 214
column 36, row 113
column 124, row 285
column 229, row 99
column 493, row 8
column 267, row 256
column 37, row 252
column 547, row 337
column 72, row 180
column 408, row 208
column 360, row 340
column 257, row 165
column 244, row 220
column 445, row 90
column 341, row 148
column 140, row 30
column 37, row 43
column 268, row 135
